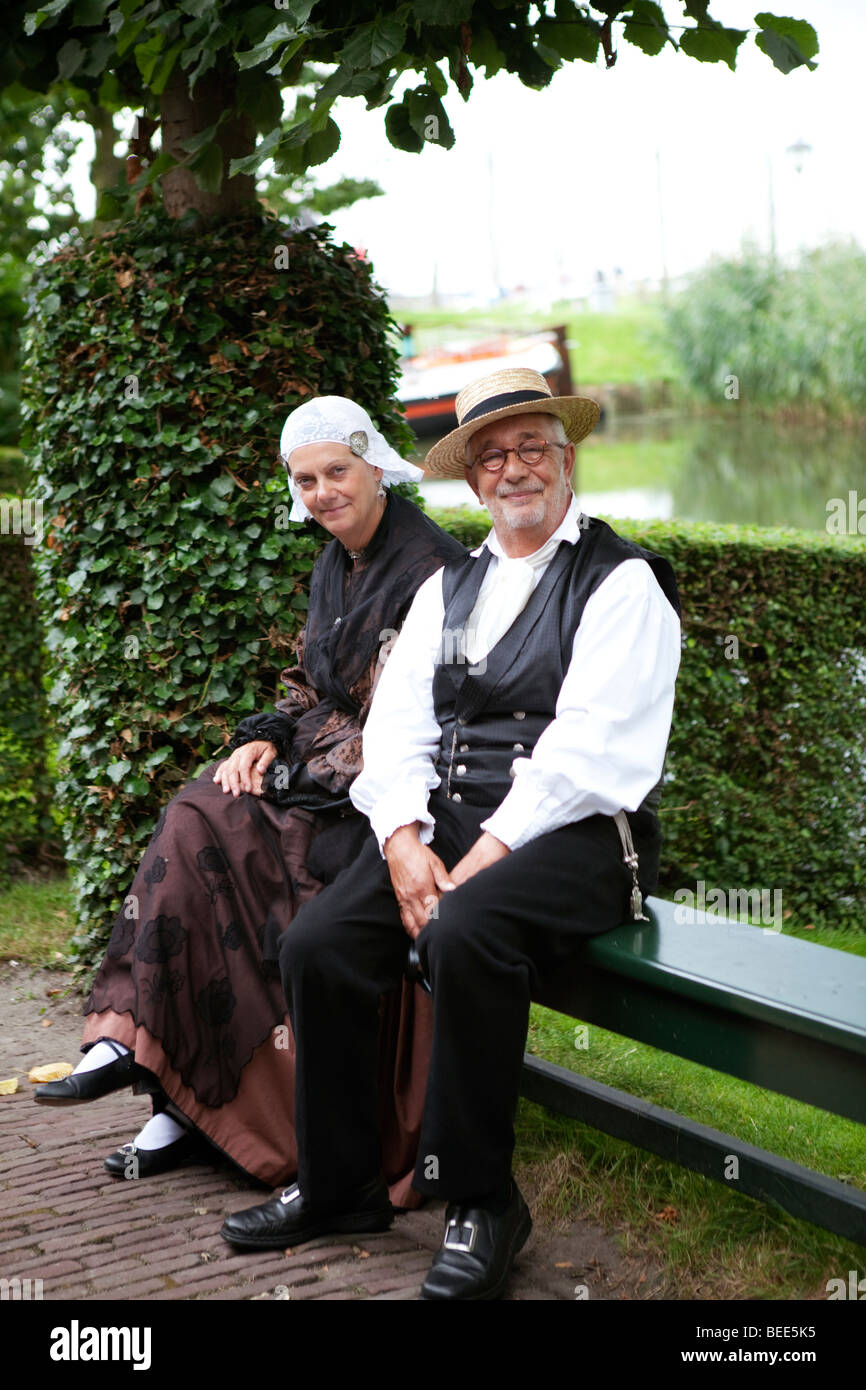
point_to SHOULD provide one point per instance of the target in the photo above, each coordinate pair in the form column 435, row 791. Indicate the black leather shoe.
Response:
column 290, row 1220
column 150, row 1161
column 478, row 1250
column 90, row 1085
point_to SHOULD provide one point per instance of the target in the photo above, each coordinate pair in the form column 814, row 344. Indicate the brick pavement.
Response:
column 88, row 1236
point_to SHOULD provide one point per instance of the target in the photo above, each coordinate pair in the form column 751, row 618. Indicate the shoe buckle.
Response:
column 290, row 1194
column 455, row 1236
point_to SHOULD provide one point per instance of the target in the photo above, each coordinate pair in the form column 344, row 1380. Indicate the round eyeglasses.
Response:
column 530, row 451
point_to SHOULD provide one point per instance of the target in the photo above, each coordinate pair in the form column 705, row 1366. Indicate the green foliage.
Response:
column 162, row 360
column 136, row 48
column 766, row 773
column 25, row 793
column 793, row 337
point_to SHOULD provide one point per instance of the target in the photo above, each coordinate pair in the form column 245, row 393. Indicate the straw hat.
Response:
column 513, row 391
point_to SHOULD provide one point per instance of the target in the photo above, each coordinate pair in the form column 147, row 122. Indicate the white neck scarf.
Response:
column 502, row 598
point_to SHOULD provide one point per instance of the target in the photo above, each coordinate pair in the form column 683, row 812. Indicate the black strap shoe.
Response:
column 90, row 1085
column 478, row 1250
column 290, row 1220
column 129, row 1161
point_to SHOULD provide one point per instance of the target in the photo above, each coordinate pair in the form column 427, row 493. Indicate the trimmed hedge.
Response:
column 161, row 360
column 766, row 771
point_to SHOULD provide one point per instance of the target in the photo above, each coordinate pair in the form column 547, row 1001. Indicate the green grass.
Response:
column 623, row 347
column 36, row 921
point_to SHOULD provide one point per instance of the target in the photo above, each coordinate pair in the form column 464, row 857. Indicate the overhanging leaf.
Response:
column 373, row 44
column 646, row 27
column 400, row 130
column 70, row 58
column 207, row 168
column 713, row 45
column 790, row 43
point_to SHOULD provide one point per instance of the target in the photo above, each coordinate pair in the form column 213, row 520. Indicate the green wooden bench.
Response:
column 782, row 1013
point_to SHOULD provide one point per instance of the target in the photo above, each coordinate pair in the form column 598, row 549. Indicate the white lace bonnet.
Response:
column 336, row 420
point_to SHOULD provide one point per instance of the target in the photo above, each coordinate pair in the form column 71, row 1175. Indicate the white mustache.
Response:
column 513, row 490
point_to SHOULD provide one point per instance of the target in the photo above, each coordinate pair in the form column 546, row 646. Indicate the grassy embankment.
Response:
column 625, row 347
column 711, row 1242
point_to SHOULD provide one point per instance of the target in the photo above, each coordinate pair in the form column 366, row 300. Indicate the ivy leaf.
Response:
column 373, row 44
column 713, row 45
column 117, row 771
column 791, row 43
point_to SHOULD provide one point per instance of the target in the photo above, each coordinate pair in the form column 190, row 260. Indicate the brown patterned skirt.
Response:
column 185, row 983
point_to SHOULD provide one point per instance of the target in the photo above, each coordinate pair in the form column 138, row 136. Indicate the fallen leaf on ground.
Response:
column 200, row 1211
column 46, row 1022
column 51, row 1071
column 668, row 1214
column 9, row 1087
column 564, row 1264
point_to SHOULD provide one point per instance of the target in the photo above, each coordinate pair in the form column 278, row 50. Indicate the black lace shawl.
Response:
column 353, row 608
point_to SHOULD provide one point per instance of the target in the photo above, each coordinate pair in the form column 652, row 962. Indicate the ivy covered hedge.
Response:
column 25, row 795
column 160, row 363
column 766, row 769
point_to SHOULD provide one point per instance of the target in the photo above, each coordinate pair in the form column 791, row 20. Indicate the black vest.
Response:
column 496, row 712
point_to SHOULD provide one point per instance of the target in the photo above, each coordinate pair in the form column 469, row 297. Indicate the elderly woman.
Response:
column 187, row 1003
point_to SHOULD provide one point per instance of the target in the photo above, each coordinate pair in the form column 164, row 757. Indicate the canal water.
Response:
column 748, row 471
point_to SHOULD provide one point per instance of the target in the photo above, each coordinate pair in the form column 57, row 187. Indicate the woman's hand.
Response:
column 242, row 772
column 418, row 877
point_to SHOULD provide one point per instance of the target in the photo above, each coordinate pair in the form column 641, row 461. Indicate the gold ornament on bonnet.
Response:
column 358, row 442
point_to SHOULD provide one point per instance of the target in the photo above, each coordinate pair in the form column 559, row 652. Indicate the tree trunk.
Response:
column 107, row 170
column 182, row 117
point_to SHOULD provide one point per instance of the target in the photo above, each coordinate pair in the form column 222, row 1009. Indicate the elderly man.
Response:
column 512, row 765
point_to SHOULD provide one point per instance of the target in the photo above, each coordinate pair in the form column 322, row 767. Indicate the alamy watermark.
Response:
column 20, row 1290
column 699, row 905
column 846, row 517
column 452, row 649
column 22, row 516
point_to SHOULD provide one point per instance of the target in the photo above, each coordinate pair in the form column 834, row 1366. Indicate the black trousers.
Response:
column 492, row 942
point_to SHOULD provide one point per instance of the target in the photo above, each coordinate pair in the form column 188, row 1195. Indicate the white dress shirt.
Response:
column 603, row 751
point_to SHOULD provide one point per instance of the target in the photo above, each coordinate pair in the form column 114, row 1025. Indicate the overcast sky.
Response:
column 567, row 178
column 552, row 186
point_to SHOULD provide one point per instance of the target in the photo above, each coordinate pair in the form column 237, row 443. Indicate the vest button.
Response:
column 461, row 769
column 511, row 772
column 457, row 797
column 519, row 748
column 464, row 748
column 520, row 714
